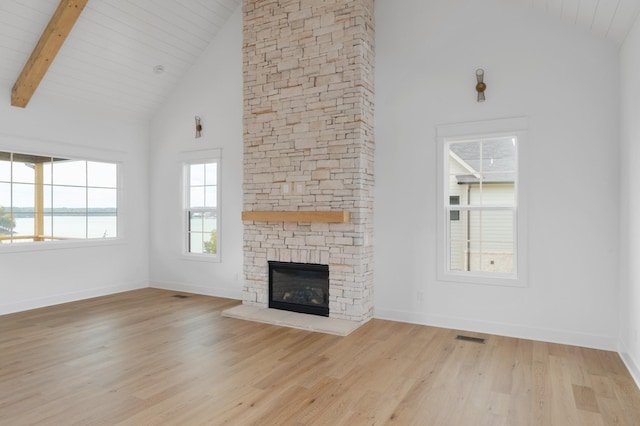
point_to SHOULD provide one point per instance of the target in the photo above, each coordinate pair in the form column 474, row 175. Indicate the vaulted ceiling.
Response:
column 109, row 57
column 611, row 19
column 108, row 60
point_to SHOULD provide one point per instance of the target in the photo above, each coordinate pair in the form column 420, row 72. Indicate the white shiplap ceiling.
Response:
column 108, row 59
column 610, row 19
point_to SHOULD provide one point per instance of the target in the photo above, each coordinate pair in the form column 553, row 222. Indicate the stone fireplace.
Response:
column 308, row 146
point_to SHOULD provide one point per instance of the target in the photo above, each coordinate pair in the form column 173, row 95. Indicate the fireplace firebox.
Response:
column 299, row 287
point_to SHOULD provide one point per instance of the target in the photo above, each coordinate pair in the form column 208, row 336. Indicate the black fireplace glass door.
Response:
column 299, row 287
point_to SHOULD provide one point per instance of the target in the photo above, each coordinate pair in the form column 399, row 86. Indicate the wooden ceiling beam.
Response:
column 46, row 50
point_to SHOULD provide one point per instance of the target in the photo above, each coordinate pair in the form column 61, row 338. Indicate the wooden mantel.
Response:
column 297, row 216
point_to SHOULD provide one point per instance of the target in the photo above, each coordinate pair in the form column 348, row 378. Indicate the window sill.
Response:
column 500, row 280
column 7, row 248
column 207, row 258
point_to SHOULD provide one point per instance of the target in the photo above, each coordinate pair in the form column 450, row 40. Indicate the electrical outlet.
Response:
column 286, row 188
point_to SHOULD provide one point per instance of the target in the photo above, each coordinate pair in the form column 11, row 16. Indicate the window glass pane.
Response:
column 5, row 171
column 464, row 168
column 499, row 166
column 208, row 221
column 196, row 197
column 495, row 226
column 69, row 226
column 196, row 173
column 491, row 194
column 210, row 242
column 196, row 222
column 490, row 237
column 25, row 224
column 5, row 195
column 467, row 154
column 102, row 226
column 459, row 193
column 70, row 173
column 482, row 241
column 48, row 225
column 211, row 174
column 458, row 242
column 102, row 174
column 23, row 196
column 483, row 172
column 211, row 196
column 196, row 244
column 499, row 155
column 102, row 198
column 47, row 169
column 23, row 172
column 7, row 222
column 47, row 194
column 67, row 197
column 203, row 232
column 497, row 258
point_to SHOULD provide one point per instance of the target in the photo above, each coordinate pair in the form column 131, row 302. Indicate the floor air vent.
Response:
column 179, row 296
column 470, row 339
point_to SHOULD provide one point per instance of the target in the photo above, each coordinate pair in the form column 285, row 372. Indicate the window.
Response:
column 201, row 208
column 454, row 200
column 46, row 198
column 480, row 225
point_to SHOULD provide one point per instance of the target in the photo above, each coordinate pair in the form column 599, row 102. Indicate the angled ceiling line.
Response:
column 615, row 12
column 44, row 53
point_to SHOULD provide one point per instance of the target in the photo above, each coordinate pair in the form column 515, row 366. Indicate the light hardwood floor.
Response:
column 146, row 357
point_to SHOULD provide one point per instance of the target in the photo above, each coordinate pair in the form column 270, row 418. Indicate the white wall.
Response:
column 563, row 80
column 34, row 275
column 566, row 83
column 212, row 90
column 630, row 202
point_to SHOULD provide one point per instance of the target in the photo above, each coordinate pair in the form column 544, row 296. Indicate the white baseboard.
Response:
column 41, row 302
column 630, row 363
column 224, row 292
column 510, row 330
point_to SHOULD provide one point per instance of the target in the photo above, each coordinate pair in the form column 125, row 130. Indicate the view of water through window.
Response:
column 45, row 198
column 70, row 226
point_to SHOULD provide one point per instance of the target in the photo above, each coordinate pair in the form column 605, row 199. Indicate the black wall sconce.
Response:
column 198, row 127
column 480, row 86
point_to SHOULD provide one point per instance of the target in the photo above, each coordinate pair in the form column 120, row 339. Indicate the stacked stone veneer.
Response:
column 308, row 123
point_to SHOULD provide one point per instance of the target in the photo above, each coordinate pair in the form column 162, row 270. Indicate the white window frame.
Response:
column 11, row 143
column 516, row 127
column 188, row 159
